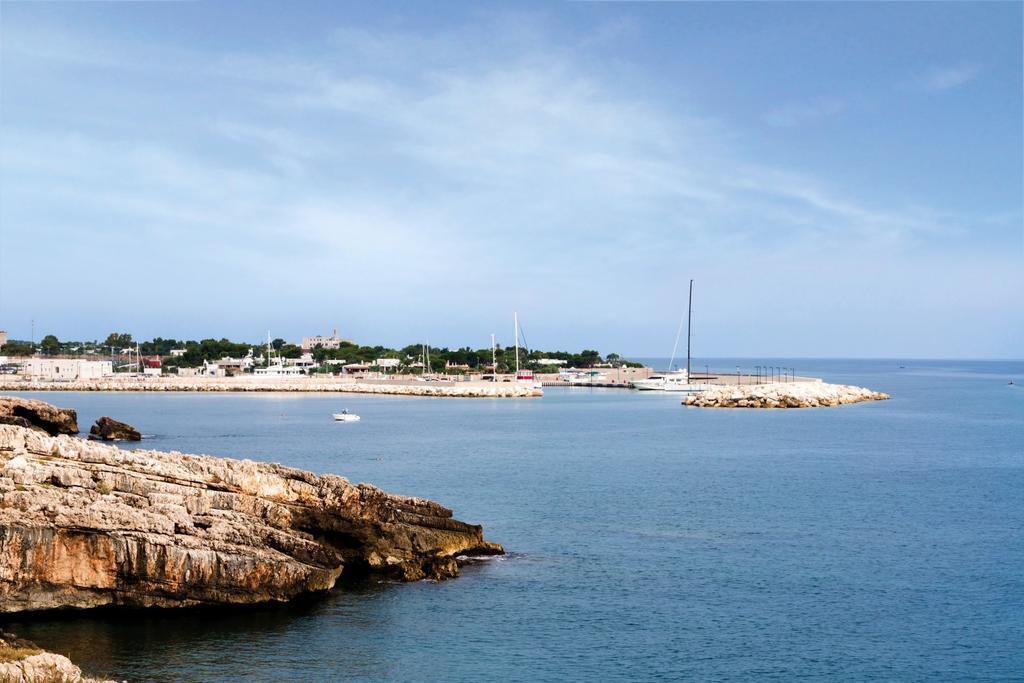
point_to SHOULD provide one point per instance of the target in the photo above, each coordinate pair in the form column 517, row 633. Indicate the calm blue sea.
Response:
column 647, row 541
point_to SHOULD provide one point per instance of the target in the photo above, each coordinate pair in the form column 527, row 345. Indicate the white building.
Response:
column 305, row 362
column 550, row 361
column 227, row 367
column 66, row 370
column 176, row 353
column 332, row 342
column 387, row 363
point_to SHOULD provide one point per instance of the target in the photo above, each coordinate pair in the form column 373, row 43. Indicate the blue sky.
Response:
column 839, row 179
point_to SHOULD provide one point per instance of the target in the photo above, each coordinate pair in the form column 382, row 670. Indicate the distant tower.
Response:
column 3, row 337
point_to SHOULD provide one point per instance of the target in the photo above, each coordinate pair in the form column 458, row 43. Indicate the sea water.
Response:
column 646, row 541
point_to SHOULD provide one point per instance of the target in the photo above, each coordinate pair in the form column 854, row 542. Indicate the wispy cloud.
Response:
column 942, row 78
column 798, row 113
column 416, row 168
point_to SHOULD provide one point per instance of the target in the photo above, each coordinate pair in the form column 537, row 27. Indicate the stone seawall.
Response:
column 253, row 384
column 782, row 395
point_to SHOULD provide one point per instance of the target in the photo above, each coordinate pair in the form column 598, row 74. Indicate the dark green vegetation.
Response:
column 190, row 354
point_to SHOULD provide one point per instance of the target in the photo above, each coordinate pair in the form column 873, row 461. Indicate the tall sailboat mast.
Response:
column 494, row 361
column 689, row 318
column 516, row 317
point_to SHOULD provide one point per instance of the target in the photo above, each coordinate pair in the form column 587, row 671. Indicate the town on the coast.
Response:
column 314, row 356
column 332, row 363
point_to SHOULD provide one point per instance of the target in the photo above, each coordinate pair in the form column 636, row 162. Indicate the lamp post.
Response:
column 737, row 374
column 707, row 374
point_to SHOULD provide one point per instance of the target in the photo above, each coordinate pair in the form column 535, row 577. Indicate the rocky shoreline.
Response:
column 85, row 524
column 21, row 661
column 782, row 395
column 258, row 384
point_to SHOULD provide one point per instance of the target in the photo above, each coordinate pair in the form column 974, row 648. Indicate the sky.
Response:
column 839, row 179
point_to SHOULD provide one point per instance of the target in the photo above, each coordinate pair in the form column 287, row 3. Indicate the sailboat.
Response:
column 523, row 375
column 674, row 380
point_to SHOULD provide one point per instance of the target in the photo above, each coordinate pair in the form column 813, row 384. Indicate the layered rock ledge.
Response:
column 782, row 395
column 476, row 389
column 38, row 415
column 85, row 524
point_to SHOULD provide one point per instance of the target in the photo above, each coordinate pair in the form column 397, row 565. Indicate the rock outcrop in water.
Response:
column 782, row 395
column 84, row 524
column 38, row 415
column 22, row 661
column 109, row 429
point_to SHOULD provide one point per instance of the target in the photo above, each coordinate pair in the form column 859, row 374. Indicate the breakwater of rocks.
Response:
column 782, row 395
column 257, row 384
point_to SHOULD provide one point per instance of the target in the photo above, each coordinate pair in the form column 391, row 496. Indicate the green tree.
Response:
column 119, row 340
column 18, row 348
column 50, row 345
column 290, row 351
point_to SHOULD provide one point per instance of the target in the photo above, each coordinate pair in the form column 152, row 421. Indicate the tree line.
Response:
column 192, row 353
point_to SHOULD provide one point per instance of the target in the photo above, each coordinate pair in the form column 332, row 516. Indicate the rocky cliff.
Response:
column 84, row 524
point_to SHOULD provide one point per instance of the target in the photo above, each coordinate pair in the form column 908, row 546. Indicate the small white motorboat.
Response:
column 345, row 416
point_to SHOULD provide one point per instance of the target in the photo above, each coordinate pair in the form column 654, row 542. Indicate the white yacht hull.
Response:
column 675, row 381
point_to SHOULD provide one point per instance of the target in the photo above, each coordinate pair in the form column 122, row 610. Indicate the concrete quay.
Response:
column 473, row 389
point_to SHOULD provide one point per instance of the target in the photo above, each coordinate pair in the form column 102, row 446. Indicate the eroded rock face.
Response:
column 782, row 395
column 38, row 414
column 109, row 429
column 84, row 524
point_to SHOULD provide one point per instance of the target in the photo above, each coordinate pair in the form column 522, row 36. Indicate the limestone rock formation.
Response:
column 38, row 415
column 782, row 395
column 84, row 524
column 22, row 662
column 109, row 429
